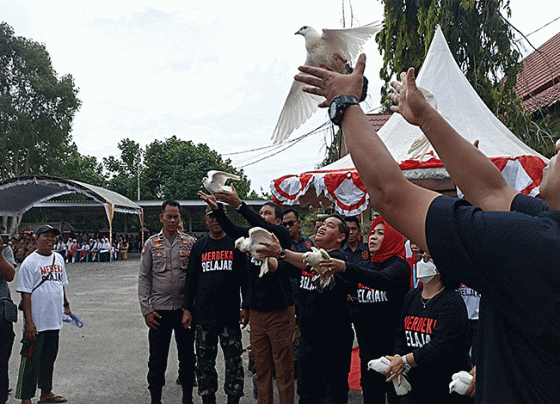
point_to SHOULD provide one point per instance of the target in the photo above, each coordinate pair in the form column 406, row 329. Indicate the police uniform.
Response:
column 161, row 288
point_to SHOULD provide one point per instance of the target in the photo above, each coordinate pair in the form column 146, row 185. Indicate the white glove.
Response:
column 460, row 382
column 380, row 365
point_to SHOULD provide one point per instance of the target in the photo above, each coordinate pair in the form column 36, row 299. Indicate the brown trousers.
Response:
column 272, row 335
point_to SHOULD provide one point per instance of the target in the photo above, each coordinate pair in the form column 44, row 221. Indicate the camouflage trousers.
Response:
column 206, row 352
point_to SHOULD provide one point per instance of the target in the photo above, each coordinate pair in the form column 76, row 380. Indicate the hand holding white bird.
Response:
column 460, row 382
column 257, row 236
column 314, row 258
column 335, row 49
column 380, row 365
column 215, row 181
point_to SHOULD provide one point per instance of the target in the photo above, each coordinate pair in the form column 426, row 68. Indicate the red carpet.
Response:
column 354, row 376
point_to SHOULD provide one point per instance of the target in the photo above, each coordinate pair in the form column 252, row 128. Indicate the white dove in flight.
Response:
column 215, row 181
column 334, row 49
column 257, row 235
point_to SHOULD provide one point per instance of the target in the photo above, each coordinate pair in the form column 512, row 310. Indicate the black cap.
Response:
column 45, row 228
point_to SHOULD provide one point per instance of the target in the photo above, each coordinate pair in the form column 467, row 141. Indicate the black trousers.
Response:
column 323, row 367
column 6, row 342
column 373, row 343
column 37, row 364
column 159, row 341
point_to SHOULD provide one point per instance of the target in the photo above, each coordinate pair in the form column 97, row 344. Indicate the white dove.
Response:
column 215, row 181
column 257, row 235
column 314, row 258
column 334, row 49
column 380, row 365
column 460, row 382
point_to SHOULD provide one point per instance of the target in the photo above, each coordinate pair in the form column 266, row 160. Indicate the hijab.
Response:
column 392, row 244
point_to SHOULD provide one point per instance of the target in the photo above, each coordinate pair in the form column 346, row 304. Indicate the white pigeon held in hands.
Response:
column 314, row 259
column 334, row 49
column 257, row 235
column 215, row 181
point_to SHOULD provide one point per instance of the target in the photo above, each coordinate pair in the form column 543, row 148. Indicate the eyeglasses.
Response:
column 290, row 223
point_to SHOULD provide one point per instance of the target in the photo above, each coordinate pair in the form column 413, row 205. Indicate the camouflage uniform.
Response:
column 206, row 351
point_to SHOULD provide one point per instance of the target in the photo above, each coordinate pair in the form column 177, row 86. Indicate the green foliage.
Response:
column 125, row 170
column 175, row 168
column 82, row 168
column 479, row 38
column 332, row 153
column 36, row 108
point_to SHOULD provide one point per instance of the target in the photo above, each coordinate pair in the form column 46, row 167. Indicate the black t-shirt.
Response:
column 216, row 272
column 437, row 336
column 379, row 291
column 513, row 260
column 323, row 314
column 273, row 291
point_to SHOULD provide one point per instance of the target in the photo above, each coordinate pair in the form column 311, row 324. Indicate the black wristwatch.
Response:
column 282, row 254
column 338, row 107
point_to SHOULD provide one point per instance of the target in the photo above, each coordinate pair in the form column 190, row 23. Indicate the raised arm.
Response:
column 226, row 224
column 478, row 178
column 400, row 202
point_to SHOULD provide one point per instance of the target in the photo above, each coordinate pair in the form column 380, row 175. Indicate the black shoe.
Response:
column 156, row 396
column 209, row 399
column 233, row 400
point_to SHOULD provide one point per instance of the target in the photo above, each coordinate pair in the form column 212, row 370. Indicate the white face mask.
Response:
column 425, row 271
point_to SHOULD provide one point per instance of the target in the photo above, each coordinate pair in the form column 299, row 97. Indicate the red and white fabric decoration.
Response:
column 461, row 106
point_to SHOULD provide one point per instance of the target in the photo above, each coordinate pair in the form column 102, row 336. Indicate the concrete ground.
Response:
column 106, row 360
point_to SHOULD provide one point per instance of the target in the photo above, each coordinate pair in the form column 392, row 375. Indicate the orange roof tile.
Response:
column 378, row 120
column 539, row 80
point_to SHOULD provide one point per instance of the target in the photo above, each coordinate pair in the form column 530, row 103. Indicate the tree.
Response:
column 174, row 169
column 82, row 168
column 125, row 171
column 36, row 108
column 479, row 37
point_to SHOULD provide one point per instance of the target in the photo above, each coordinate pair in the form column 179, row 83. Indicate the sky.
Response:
column 214, row 72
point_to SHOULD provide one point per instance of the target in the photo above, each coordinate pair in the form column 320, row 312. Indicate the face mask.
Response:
column 425, row 271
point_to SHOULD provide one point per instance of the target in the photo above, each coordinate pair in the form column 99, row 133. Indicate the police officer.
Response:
column 161, row 283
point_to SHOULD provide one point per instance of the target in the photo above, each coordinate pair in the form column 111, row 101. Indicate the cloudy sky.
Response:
column 214, row 72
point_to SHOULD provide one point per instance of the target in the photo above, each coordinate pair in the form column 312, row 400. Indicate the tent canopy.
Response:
column 18, row 195
column 461, row 106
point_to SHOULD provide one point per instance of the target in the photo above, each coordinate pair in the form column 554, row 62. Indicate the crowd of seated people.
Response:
column 79, row 247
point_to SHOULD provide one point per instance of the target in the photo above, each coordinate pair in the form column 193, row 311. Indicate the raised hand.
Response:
column 330, row 84
column 409, row 100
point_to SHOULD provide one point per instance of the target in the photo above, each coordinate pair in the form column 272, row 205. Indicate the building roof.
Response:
column 19, row 194
column 378, row 120
column 538, row 82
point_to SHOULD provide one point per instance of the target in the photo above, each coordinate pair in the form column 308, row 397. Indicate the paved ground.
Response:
column 106, row 360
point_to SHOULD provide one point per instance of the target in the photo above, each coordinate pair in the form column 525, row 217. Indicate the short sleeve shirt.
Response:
column 513, row 260
column 47, row 299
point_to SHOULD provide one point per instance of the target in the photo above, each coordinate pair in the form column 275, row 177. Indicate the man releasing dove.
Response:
column 334, row 49
column 215, row 181
column 313, row 258
column 257, row 235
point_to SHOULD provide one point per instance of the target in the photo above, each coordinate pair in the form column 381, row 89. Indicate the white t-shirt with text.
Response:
column 48, row 299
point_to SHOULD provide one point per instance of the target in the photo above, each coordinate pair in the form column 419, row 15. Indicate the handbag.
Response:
column 8, row 310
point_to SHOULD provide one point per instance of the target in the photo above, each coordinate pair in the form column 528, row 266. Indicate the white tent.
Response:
column 461, row 106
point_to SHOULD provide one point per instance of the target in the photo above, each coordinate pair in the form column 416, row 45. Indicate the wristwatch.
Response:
column 282, row 254
column 407, row 366
column 338, row 107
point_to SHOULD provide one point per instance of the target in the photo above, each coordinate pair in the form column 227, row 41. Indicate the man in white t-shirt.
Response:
column 41, row 282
